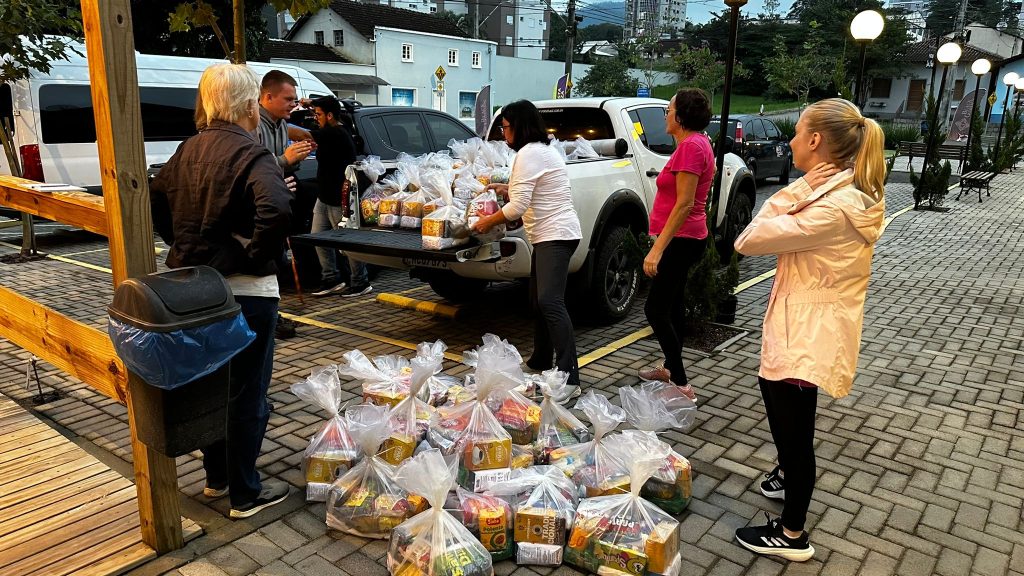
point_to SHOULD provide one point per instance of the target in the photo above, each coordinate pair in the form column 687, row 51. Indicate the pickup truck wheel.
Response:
column 784, row 177
column 740, row 214
column 616, row 275
column 454, row 288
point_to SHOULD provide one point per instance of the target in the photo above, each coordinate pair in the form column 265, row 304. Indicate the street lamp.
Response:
column 979, row 68
column 947, row 54
column 730, row 61
column 1010, row 79
column 865, row 27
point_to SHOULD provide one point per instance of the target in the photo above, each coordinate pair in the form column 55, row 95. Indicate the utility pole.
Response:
column 476, row 18
column 570, row 46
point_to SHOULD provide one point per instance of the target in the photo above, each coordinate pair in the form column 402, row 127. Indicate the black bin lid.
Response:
column 175, row 300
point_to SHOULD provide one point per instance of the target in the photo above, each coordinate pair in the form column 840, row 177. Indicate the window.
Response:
column 533, row 23
column 508, row 19
column 453, row 57
column 476, row 59
column 444, row 128
column 339, row 37
column 772, row 130
column 406, row 52
column 571, row 123
column 318, row 37
column 433, row 9
column 508, row 40
column 753, row 130
column 652, row 122
column 65, row 112
column 958, row 92
column 399, row 133
column 403, row 96
column 881, row 87
column 467, row 104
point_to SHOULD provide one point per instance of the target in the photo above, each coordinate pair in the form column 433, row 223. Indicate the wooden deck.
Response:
column 61, row 510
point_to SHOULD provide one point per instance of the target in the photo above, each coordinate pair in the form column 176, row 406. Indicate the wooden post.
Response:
column 238, row 12
column 115, row 94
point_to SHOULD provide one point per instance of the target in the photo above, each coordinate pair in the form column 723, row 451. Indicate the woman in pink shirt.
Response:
column 678, row 220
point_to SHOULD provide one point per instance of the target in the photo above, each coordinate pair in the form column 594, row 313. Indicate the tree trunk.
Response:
column 28, row 232
column 239, row 17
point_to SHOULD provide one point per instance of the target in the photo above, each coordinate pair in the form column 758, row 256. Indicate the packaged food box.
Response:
column 539, row 554
column 487, row 454
column 540, row 526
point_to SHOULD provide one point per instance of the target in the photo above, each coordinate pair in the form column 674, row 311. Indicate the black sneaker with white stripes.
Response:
column 772, row 486
column 770, row 540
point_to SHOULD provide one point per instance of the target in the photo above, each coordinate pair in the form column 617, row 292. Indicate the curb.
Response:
column 432, row 308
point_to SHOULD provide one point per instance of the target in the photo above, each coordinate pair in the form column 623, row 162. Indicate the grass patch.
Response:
column 740, row 104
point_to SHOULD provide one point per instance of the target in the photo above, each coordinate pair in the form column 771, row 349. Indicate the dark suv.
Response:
column 760, row 143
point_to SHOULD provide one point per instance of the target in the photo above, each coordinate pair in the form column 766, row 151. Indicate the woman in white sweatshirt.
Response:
column 539, row 193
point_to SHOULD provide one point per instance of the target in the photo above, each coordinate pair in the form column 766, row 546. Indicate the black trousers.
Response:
column 552, row 331
column 791, row 410
column 664, row 308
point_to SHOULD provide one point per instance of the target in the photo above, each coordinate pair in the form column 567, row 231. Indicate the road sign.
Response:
column 643, row 92
column 440, row 73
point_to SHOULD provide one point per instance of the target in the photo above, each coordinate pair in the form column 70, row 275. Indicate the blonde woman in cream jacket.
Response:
column 822, row 228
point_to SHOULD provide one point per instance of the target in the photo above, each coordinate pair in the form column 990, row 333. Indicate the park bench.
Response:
column 953, row 152
column 976, row 180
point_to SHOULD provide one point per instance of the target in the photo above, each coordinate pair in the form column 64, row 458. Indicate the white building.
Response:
column 346, row 79
column 425, row 6
column 660, row 15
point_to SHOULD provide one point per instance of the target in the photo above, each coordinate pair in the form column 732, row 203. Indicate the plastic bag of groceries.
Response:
column 595, row 466
column 559, row 146
column 581, row 148
column 624, row 533
column 369, row 204
column 385, row 379
column 389, row 210
column 434, row 543
column 518, row 415
column 464, row 152
column 472, row 431
column 435, row 392
column 372, row 167
column 410, row 167
column 651, row 408
column 367, row 500
column 558, row 426
column 544, row 501
column 467, row 186
column 488, row 518
column 446, row 226
column 331, row 452
column 484, row 204
column 411, row 417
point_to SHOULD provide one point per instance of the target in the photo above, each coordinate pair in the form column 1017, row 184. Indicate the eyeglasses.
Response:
column 503, row 127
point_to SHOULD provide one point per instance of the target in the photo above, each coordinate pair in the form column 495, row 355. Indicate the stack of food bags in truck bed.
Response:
column 331, row 452
column 434, row 543
column 650, row 408
column 623, row 534
column 367, row 501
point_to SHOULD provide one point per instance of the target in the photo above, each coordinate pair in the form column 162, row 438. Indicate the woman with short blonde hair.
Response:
column 221, row 201
column 822, row 228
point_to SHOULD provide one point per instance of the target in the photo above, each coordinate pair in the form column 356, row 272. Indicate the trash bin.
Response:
column 177, row 331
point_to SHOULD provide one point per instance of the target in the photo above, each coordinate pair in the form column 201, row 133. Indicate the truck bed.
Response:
column 395, row 243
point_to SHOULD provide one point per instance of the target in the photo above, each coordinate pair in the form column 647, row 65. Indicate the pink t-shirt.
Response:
column 693, row 155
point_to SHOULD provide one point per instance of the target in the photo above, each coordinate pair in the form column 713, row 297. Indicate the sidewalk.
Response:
column 921, row 468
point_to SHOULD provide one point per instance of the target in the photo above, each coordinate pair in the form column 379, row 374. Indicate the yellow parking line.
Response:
column 363, row 334
column 65, row 260
column 645, row 332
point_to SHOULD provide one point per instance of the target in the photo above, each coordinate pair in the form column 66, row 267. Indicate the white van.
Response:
column 54, row 130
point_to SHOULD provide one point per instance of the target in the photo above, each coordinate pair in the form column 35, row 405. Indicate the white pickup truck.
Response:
column 612, row 195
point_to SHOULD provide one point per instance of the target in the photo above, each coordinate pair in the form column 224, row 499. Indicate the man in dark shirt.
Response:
column 335, row 151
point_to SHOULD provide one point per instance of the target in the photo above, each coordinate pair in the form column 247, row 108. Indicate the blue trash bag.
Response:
column 169, row 360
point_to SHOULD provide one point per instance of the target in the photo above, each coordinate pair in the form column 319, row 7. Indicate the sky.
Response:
column 699, row 11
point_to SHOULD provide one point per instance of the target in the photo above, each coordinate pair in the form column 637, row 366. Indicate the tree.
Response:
column 608, row 77
column 460, row 21
column 798, row 73
column 604, row 31
column 34, row 33
column 702, row 68
column 771, row 11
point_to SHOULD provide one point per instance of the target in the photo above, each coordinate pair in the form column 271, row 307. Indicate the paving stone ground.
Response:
column 920, row 469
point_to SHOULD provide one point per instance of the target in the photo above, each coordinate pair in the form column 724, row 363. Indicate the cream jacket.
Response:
column 824, row 240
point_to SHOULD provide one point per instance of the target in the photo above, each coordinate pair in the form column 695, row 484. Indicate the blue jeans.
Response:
column 232, row 461
column 327, row 217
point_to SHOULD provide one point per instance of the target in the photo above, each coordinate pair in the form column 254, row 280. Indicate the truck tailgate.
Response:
column 396, row 243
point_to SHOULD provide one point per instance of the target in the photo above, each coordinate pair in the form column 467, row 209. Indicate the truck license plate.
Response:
column 425, row 263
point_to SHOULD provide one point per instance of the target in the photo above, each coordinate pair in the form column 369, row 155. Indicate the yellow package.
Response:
column 662, row 546
column 540, row 526
column 620, row 558
column 488, row 454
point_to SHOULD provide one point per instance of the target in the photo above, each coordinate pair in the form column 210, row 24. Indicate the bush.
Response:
column 708, row 285
column 787, row 127
column 896, row 133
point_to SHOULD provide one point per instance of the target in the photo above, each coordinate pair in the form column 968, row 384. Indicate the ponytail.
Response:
column 869, row 166
column 852, row 140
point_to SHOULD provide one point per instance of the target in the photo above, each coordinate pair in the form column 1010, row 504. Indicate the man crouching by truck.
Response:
column 222, row 201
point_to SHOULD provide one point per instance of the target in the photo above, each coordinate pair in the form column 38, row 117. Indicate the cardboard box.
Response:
column 488, row 454
column 328, row 466
column 494, row 530
column 539, row 554
column 540, row 526
column 662, row 547
column 620, row 558
column 397, row 448
column 481, row 480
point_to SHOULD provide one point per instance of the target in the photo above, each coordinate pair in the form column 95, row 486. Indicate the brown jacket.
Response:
column 824, row 239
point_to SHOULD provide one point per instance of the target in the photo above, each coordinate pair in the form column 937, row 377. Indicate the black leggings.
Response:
column 791, row 410
column 552, row 331
column 664, row 308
